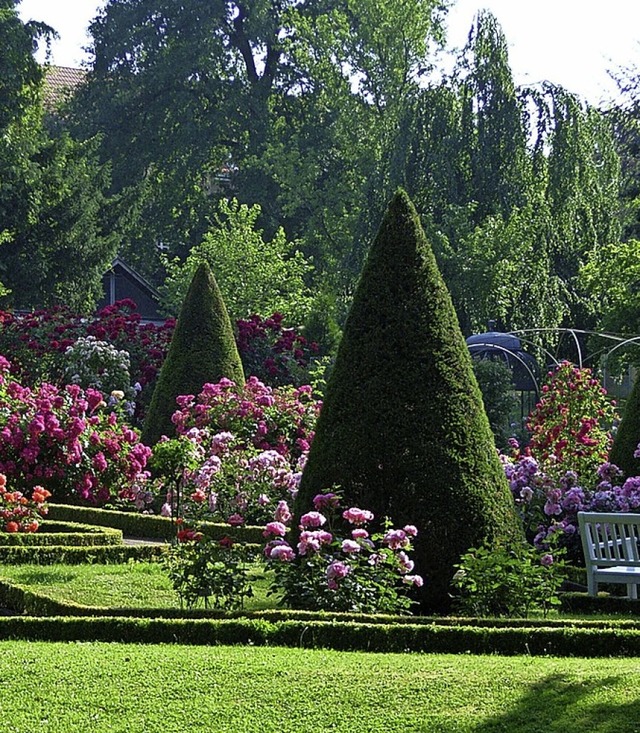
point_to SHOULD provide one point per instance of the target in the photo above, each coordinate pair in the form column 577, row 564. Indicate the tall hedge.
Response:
column 627, row 435
column 203, row 349
column 403, row 430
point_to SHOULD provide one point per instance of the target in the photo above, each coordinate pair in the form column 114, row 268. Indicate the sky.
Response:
column 573, row 43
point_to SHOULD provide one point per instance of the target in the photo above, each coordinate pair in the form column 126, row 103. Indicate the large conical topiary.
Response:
column 627, row 436
column 202, row 350
column 403, row 430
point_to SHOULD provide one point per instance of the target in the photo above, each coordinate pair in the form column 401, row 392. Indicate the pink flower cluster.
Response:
column 271, row 419
column 330, row 571
column 67, row 439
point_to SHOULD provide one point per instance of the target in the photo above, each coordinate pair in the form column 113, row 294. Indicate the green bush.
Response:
column 496, row 385
column 627, row 436
column 152, row 526
column 52, row 554
column 202, row 350
column 403, row 431
column 347, row 636
column 494, row 581
column 63, row 533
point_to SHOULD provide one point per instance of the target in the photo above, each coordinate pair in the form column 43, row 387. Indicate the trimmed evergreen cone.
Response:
column 403, row 430
column 627, row 437
column 203, row 349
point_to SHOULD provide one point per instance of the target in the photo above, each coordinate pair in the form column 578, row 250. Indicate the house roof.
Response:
column 59, row 82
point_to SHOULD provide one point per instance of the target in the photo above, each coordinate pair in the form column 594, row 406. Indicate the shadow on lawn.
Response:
column 556, row 705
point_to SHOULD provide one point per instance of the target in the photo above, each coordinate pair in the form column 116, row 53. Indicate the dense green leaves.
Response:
column 51, row 190
column 254, row 275
column 517, row 188
column 285, row 104
column 403, row 431
column 202, row 349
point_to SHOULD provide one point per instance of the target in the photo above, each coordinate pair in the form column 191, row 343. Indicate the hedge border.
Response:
column 69, row 555
column 343, row 636
column 147, row 525
column 69, row 534
column 25, row 601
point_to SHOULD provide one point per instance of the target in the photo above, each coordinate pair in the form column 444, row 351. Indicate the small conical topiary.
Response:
column 403, row 431
column 627, row 437
column 202, row 350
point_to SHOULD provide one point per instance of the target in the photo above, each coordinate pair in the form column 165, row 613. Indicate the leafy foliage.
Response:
column 208, row 571
column 402, row 429
column 515, row 187
column 202, row 350
column 254, row 275
column 496, row 384
column 624, row 451
column 494, row 581
column 289, row 105
column 52, row 198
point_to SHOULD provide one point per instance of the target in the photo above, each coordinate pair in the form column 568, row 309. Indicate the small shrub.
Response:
column 338, row 565
column 207, row 570
column 20, row 513
column 494, row 581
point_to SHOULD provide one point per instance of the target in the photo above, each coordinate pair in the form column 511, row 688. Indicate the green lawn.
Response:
column 133, row 585
column 94, row 687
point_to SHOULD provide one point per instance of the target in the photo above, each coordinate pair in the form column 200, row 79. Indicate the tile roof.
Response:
column 59, row 81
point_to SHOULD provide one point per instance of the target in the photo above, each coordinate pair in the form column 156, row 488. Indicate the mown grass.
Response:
column 73, row 688
column 132, row 585
column 146, row 585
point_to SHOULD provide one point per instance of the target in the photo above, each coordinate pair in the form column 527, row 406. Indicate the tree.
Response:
column 202, row 350
column 515, row 187
column 402, row 430
column 255, row 276
column 51, row 198
column 285, row 104
column 627, row 436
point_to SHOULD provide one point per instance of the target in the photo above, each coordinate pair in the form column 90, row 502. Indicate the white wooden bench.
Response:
column 611, row 544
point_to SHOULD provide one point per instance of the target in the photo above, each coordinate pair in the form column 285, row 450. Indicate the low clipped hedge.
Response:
column 602, row 603
column 63, row 533
column 147, row 525
column 53, row 554
column 343, row 635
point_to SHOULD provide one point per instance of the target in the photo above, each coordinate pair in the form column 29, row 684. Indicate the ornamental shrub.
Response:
column 68, row 439
column 624, row 451
column 338, row 564
column 202, row 350
column 238, row 451
column 570, row 425
column 494, row 581
column 207, row 570
column 403, row 430
column 21, row 513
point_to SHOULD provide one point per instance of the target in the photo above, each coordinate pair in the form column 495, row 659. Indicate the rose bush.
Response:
column 570, row 426
column 238, row 451
column 67, row 438
column 19, row 512
column 338, row 563
column 207, row 570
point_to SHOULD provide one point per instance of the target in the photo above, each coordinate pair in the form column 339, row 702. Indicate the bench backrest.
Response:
column 610, row 538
